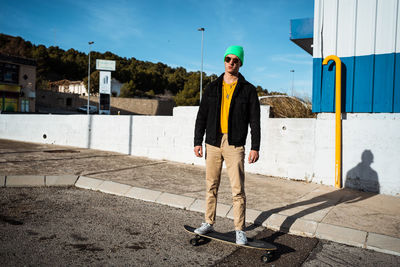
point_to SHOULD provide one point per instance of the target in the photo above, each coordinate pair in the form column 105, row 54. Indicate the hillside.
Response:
column 140, row 78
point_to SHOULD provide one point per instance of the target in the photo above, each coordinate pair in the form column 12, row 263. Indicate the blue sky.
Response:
column 166, row 31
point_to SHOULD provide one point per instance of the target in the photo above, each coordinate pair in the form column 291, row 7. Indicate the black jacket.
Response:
column 244, row 110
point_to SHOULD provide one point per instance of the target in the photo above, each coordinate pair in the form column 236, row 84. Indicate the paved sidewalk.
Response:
column 345, row 216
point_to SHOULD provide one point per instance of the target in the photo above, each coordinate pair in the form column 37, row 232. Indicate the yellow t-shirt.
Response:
column 227, row 92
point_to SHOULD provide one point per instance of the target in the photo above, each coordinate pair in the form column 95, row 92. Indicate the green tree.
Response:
column 128, row 89
column 176, row 80
column 190, row 95
column 43, row 85
column 140, row 78
column 261, row 91
column 150, row 93
column 15, row 46
column 94, row 82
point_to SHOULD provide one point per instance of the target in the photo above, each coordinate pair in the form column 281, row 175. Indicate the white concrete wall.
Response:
column 300, row 149
column 376, row 134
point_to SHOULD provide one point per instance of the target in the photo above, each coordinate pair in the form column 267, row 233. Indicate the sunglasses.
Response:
column 234, row 60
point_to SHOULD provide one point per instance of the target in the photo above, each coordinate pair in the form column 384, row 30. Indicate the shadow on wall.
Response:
column 89, row 131
column 363, row 177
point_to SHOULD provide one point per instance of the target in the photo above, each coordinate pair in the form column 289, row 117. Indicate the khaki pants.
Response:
column 234, row 160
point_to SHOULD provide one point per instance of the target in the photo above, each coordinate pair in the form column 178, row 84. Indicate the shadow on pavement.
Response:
column 361, row 177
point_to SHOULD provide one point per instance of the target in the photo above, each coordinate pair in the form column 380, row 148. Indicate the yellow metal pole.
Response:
column 338, row 112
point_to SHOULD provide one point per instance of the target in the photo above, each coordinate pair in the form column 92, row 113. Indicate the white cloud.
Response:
column 300, row 59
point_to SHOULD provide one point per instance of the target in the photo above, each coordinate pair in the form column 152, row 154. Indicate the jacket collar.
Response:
column 241, row 80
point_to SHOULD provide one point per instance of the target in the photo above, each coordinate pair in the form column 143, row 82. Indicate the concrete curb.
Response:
column 25, row 180
column 277, row 222
column 110, row 187
column 143, row 194
column 64, row 180
column 382, row 243
column 88, row 183
column 176, row 201
column 341, row 235
column 37, row 180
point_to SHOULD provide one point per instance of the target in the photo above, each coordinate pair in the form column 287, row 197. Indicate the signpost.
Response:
column 105, row 67
column 102, row 64
column 105, row 82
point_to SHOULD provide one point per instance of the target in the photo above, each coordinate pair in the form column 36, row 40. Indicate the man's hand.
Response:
column 253, row 156
column 198, row 151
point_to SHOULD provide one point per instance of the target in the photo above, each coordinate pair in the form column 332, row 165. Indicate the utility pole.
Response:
column 201, row 72
column 88, row 88
column 292, row 81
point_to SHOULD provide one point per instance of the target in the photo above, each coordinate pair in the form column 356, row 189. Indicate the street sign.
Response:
column 105, row 67
column 102, row 64
column 105, row 82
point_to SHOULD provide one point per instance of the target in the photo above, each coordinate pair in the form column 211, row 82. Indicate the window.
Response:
column 9, row 73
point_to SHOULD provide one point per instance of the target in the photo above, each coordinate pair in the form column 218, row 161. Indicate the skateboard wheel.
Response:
column 266, row 257
column 194, row 241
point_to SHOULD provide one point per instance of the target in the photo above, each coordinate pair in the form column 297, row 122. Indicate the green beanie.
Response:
column 236, row 50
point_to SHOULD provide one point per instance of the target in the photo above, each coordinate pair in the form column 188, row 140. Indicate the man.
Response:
column 228, row 106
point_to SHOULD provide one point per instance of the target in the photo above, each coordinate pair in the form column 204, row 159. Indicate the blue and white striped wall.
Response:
column 365, row 34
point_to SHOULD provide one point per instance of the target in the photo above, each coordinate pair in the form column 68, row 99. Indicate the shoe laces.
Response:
column 241, row 234
column 205, row 225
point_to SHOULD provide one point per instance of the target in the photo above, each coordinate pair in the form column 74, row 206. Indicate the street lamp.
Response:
column 88, row 89
column 292, row 81
column 201, row 72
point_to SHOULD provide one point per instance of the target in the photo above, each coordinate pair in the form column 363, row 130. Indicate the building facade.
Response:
column 17, row 84
column 72, row 87
column 365, row 35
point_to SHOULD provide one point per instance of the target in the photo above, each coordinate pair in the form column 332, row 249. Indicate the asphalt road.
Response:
column 75, row 227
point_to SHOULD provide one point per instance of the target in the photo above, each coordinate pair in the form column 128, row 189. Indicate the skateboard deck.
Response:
column 231, row 239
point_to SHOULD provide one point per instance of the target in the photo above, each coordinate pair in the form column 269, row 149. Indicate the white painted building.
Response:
column 78, row 87
column 73, row 87
column 365, row 35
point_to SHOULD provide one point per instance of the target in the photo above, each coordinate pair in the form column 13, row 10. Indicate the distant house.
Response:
column 66, row 86
column 17, row 84
column 78, row 87
column 73, row 87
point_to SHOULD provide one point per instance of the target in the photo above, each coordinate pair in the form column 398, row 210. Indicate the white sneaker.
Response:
column 204, row 229
column 241, row 238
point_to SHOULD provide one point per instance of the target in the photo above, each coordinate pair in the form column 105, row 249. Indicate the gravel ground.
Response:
column 69, row 226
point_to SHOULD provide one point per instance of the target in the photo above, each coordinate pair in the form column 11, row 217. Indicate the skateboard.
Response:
column 231, row 239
